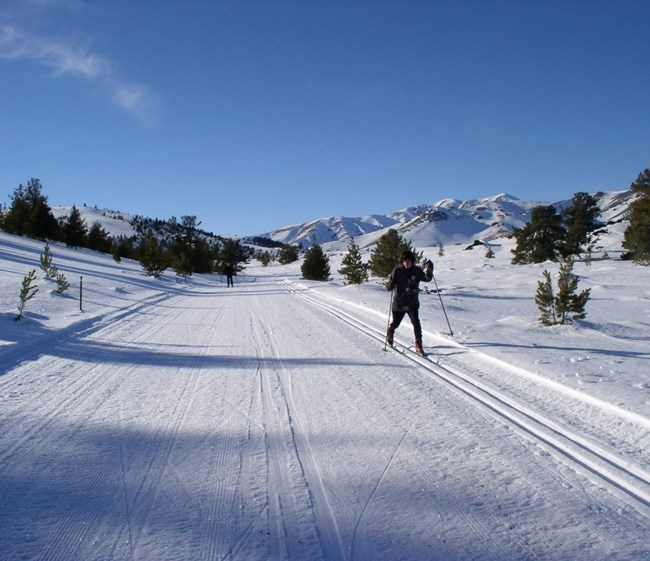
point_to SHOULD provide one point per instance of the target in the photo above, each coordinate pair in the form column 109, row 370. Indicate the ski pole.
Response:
column 441, row 303
column 390, row 307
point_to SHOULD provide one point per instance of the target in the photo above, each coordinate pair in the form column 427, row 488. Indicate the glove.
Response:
column 390, row 285
column 428, row 265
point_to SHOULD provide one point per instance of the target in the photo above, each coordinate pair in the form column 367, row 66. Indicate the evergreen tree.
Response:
column 29, row 213
column 62, row 283
column 46, row 263
column 17, row 217
column 186, row 244
column 27, row 291
column 46, row 260
column 353, row 268
column 42, row 223
column 233, row 253
column 98, row 238
column 288, row 254
column 316, row 264
column 565, row 306
column 385, row 257
column 637, row 235
column 115, row 252
column 182, row 266
column 74, row 229
column 538, row 240
column 580, row 220
column 202, row 257
column 124, row 247
column 265, row 258
column 545, row 300
column 152, row 257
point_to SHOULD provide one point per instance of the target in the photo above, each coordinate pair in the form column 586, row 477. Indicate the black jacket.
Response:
column 405, row 284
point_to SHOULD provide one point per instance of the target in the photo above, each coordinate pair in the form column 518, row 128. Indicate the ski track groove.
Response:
column 622, row 477
column 218, row 527
column 248, row 468
column 158, row 467
column 412, row 453
column 372, row 494
column 288, row 541
column 70, row 535
column 327, row 526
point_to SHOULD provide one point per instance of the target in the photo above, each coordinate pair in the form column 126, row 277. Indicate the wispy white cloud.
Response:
column 64, row 59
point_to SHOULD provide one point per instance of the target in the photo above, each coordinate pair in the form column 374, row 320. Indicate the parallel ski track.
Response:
column 624, row 478
column 280, row 408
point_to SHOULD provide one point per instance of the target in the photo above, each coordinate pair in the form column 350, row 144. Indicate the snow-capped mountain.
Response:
column 448, row 221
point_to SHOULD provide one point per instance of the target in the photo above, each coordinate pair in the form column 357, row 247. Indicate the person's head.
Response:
column 407, row 258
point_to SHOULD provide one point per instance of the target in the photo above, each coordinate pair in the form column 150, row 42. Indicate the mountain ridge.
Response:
column 447, row 221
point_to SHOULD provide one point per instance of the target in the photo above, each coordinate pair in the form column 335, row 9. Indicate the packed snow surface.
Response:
column 162, row 420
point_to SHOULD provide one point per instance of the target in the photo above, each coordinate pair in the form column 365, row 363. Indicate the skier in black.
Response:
column 230, row 271
column 404, row 282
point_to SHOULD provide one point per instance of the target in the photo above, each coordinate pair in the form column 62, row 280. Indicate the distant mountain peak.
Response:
column 447, row 221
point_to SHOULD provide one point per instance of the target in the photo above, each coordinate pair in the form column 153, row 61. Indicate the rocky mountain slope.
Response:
column 445, row 222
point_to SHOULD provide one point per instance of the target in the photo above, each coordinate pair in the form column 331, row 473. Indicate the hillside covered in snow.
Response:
column 446, row 222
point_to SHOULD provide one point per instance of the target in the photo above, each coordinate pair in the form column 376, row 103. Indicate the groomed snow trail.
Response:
column 254, row 423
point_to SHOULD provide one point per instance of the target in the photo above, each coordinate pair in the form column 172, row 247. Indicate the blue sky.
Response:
column 252, row 115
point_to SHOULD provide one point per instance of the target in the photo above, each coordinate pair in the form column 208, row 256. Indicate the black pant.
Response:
column 230, row 281
column 414, row 316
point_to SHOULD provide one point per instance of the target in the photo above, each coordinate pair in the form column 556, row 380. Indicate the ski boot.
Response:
column 418, row 347
column 389, row 337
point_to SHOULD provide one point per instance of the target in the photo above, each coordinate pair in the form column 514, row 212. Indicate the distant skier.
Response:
column 404, row 282
column 230, row 271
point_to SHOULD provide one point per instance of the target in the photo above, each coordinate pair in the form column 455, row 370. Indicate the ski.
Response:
column 402, row 349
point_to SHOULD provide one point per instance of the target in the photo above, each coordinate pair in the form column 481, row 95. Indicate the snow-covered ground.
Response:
column 168, row 421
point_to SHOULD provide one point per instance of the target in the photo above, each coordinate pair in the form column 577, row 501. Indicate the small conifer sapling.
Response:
column 27, row 291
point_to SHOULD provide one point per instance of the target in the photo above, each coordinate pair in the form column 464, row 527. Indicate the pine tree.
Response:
column 186, row 245
column 152, row 257
column 265, row 258
column 580, row 220
column 17, row 217
column 288, row 254
column 29, row 213
column 353, row 268
column 98, row 238
column 46, row 263
column 124, row 247
column 545, row 300
column 385, row 257
column 62, row 283
column 182, row 266
column 637, row 235
column 27, row 291
column 234, row 253
column 75, row 231
column 115, row 252
column 316, row 264
column 565, row 306
column 538, row 240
